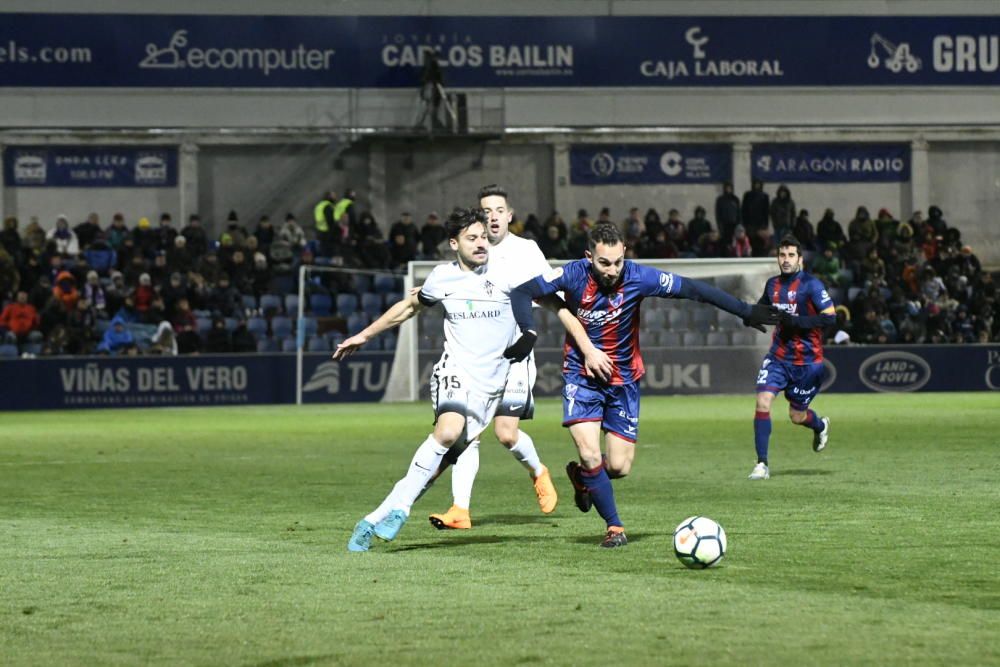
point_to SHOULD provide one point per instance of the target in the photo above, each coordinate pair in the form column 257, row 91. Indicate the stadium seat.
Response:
column 704, row 318
column 270, row 304
column 292, row 305
column 837, row 294
column 654, row 319
column 853, row 292
column 385, row 283
column 321, row 304
column 249, row 302
column 231, row 324
column 717, row 339
column 392, row 298
column 746, row 336
column 203, row 325
column 346, row 304
column 371, row 304
column 257, row 326
column 678, row 319
column 389, row 341
column 356, row 322
column 670, row 339
column 33, row 349
column 8, row 351
column 693, row 339
column 318, row 344
column 288, row 344
column 310, row 326
column 335, row 338
column 362, row 282
column 266, row 345
column 283, row 284
column 281, row 327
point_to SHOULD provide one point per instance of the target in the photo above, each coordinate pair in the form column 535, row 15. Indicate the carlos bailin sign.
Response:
column 103, row 382
column 173, row 50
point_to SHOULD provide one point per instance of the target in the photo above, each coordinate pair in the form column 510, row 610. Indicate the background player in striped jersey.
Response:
column 481, row 341
column 605, row 290
column 795, row 361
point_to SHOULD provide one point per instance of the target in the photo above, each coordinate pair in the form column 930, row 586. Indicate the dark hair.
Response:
column 789, row 241
column 461, row 219
column 492, row 190
column 606, row 233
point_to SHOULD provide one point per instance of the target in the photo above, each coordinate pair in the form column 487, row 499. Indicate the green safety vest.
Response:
column 340, row 208
column 320, row 216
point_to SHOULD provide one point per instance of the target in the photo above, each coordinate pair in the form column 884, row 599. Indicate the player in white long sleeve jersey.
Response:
column 481, row 341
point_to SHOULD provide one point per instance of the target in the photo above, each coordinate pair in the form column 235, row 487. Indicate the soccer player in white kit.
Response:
column 521, row 259
column 481, row 341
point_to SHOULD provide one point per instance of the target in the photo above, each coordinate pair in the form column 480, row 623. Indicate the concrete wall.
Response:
column 965, row 184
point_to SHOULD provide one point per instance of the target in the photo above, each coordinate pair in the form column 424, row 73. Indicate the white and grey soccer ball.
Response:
column 699, row 542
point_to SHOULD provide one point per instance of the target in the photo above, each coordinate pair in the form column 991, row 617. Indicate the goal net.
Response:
column 671, row 329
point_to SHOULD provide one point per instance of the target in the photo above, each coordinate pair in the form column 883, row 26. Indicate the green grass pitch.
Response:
column 218, row 537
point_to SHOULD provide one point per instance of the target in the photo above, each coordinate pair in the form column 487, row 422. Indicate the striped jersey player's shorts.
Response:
column 518, row 399
column 615, row 406
column 800, row 383
column 451, row 391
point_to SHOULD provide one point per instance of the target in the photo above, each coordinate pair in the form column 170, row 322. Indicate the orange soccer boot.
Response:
column 456, row 518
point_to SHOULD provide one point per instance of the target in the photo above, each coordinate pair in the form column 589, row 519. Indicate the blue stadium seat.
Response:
column 693, row 339
column 288, row 344
column 231, row 323
column 270, row 304
column 371, row 304
column 292, row 305
column 8, row 351
column 362, row 282
column 747, row 336
column 33, row 349
column 335, row 338
column 654, row 319
column 385, row 283
column 346, row 304
column 320, row 304
column 393, row 297
column 249, row 302
column 678, row 319
column 310, row 326
column 704, row 317
column 670, row 339
column 257, row 326
column 203, row 325
column 717, row 339
column 318, row 344
column 389, row 341
column 281, row 327
column 356, row 322
column 266, row 345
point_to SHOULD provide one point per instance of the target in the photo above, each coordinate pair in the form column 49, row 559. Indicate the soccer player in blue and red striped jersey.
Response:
column 794, row 363
column 604, row 290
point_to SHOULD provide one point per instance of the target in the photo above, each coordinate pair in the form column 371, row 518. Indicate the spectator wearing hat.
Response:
column 804, row 232
column 145, row 238
column 237, row 232
column 66, row 242
column 144, row 293
column 698, row 226
column 826, row 266
column 117, row 339
column 782, row 212
column 829, row 230
column 95, row 293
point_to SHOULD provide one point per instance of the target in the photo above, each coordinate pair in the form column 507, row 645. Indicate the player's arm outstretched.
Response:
column 671, row 285
column 400, row 311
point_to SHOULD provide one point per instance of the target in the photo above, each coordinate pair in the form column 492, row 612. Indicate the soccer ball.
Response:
column 699, row 542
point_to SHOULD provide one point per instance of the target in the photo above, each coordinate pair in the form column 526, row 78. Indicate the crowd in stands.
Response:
column 159, row 289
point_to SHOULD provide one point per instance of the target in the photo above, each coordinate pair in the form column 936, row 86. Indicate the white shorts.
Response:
column 518, row 399
column 452, row 392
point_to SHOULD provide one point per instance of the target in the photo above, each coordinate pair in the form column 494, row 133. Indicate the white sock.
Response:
column 524, row 451
column 422, row 468
column 425, row 462
column 463, row 475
